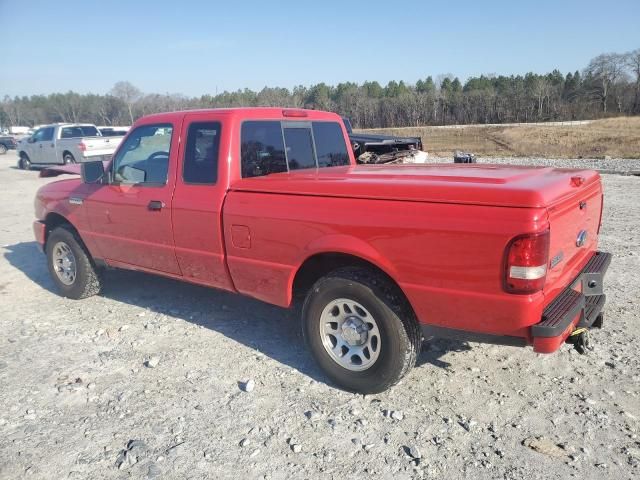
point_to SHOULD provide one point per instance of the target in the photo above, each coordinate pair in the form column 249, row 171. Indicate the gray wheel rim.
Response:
column 350, row 334
column 64, row 263
column 3, row 149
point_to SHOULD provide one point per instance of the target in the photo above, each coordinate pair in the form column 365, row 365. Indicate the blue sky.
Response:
column 196, row 47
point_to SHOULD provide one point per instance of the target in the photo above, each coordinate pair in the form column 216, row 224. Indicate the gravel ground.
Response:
column 607, row 165
column 158, row 379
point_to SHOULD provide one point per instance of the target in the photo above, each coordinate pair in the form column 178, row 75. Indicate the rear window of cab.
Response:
column 271, row 146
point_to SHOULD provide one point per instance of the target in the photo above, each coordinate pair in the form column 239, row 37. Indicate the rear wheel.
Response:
column 68, row 158
column 24, row 163
column 360, row 329
column 3, row 149
column 70, row 265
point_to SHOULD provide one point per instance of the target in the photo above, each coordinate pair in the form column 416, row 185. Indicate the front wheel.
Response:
column 3, row 149
column 70, row 266
column 360, row 329
column 24, row 163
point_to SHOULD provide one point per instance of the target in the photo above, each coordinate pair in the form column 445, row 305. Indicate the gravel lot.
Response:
column 146, row 381
column 605, row 165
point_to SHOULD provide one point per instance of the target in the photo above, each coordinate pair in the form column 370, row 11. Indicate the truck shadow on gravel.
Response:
column 273, row 331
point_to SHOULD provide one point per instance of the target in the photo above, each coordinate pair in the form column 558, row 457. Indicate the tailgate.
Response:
column 574, row 223
column 100, row 145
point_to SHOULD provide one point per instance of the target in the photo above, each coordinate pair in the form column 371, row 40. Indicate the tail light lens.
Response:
column 288, row 112
column 82, row 147
column 526, row 262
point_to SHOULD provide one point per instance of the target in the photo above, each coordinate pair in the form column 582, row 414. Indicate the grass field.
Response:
column 614, row 137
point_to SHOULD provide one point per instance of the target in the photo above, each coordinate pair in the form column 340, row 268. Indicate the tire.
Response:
column 3, row 149
column 24, row 163
column 370, row 296
column 68, row 158
column 85, row 281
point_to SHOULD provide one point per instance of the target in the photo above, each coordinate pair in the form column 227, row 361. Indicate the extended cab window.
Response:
column 274, row 146
column 262, row 149
column 330, row 145
column 201, row 153
column 144, row 156
column 299, row 146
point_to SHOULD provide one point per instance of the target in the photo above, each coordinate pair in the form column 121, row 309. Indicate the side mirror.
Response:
column 92, row 172
column 31, row 140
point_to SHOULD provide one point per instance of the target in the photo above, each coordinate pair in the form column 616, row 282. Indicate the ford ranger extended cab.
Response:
column 62, row 143
column 269, row 203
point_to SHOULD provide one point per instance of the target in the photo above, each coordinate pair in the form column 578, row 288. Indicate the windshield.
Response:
column 79, row 131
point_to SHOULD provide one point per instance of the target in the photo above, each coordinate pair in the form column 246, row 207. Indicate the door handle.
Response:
column 155, row 205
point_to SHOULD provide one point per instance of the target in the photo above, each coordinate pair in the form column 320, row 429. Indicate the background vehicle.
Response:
column 65, row 143
column 7, row 143
column 18, row 130
column 379, row 144
column 269, row 203
column 113, row 131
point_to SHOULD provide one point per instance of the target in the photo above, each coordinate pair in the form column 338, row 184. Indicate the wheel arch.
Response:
column 347, row 252
column 54, row 220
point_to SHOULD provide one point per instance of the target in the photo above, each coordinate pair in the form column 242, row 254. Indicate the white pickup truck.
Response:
column 62, row 143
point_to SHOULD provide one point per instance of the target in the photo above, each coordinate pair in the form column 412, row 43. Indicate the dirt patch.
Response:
column 614, row 137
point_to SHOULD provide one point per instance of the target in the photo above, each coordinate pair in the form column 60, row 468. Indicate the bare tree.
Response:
column 605, row 70
column 633, row 62
column 128, row 93
column 13, row 111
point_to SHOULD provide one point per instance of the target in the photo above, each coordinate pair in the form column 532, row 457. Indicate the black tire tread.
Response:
column 391, row 295
column 85, row 264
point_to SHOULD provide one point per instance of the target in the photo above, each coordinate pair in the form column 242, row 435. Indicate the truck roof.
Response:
column 64, row 124
column 254, row 113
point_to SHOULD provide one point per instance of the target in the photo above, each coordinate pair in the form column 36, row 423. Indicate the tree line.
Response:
column 608, row 85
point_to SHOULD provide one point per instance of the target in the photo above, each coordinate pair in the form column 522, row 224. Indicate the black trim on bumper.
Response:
column 431, row 331
column 563, row 310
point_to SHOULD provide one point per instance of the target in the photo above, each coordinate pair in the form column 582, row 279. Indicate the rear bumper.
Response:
column 579, row 305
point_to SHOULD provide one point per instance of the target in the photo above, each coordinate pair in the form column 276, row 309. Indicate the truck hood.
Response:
column 499, row 185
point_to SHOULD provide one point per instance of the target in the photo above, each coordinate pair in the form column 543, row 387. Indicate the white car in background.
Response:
column 62, row 143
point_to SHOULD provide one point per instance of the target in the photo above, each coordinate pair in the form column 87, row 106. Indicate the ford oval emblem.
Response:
column 581, row 239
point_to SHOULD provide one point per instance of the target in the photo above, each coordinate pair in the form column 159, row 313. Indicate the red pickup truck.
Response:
column 269, row 202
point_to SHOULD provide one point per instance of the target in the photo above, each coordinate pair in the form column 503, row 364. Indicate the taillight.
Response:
column 82, row 147
column 288, row 112
column 526, row 261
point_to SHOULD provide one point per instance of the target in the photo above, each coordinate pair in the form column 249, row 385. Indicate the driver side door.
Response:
column 35, row 146
column 130, row 216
